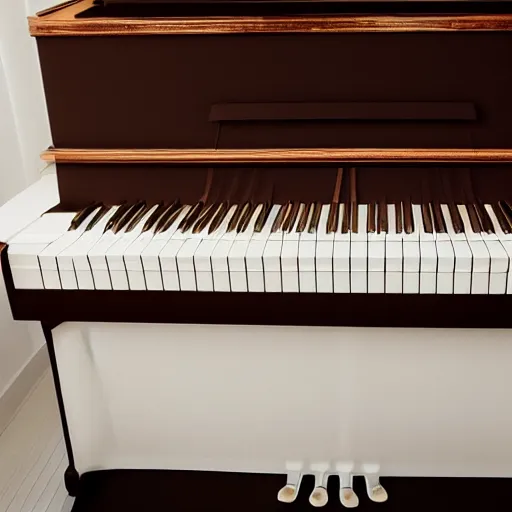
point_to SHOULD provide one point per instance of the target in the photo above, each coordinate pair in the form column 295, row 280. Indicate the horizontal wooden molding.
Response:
column 274, row 156
column 62, row 22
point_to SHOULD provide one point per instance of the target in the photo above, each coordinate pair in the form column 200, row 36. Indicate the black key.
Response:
column 153, row 218
column 506, row 212
column 315, row 218
column 473, row 218
column 427, row 220
column 458, row 225
column 245, row 217
column 127, row 216
column 333, row 219
column 276, row 226
column 82, row 215
column 290, row 221
column 354, row 217
column 304, row 216
column 119, row 213
column 483, row 216
column 382, row 218
column 99, row 215
column 168, row 217
column 408, row 218
column 345, row 223
column 204, row 218
column 437, row 215
column 262, row 218
column 137, row 217
column 218, row 217
column 370, row 220
column 233, row 222
column 190, row 218
column 500, row 217
column 399, row 218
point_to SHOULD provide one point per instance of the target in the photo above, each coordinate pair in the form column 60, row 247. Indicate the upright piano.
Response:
column 281, row 246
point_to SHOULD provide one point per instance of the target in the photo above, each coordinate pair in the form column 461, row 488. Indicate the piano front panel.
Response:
column 413, row 402
column 82, row 184
column 160, row 91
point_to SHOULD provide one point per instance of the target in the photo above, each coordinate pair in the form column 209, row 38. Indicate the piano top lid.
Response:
column 172, row 17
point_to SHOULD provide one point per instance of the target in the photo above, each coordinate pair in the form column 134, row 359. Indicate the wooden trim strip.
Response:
column 174, row 26
column 62, row 22
column 274, row 156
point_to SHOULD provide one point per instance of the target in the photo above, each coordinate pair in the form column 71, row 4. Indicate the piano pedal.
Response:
column 375, row 491
column 348, row 497
column 319, row 496
column 290, row 491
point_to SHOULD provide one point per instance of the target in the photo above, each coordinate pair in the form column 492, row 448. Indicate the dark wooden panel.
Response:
column 157, row 91
column 356, row 310
column 133, row 491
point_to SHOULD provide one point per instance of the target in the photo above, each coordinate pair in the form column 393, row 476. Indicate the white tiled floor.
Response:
column 32, row 456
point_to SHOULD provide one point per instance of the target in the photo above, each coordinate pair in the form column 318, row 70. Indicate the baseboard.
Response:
column 16, row 394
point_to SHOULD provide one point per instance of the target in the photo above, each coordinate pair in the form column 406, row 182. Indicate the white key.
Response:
column 151, row 254
column 394, row 255
column 168, row 262
column 499, row 261
column 341, row 259
column 48, row 257
column 75, row 256
column 481, row 267
column 428, row 266
column 272, row 262
column 376, row 264
column 445, row 266
column 324, row 254
column 133, row 257
column 25, row 246
column 463, row 258
column 254, row 254
column 290, row 259
column 411, row 276
column 359, row 254
column 203, row 255
column 185, row 264
column 506, row 242
column 358, row 267
column 480, row 255
column 219, row 259
column 115, row 253
column 307, row 257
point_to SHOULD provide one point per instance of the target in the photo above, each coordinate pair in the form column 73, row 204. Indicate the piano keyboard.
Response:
column 294, row 247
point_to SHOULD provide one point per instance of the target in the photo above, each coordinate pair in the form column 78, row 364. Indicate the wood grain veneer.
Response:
column 62, row 22
column 269, row 156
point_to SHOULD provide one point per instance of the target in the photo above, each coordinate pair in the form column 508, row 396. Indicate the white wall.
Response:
column 24, row 133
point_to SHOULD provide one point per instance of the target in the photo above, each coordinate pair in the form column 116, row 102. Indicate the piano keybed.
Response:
column 262, row 247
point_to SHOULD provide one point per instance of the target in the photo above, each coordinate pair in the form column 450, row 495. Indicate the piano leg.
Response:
column 71, row 476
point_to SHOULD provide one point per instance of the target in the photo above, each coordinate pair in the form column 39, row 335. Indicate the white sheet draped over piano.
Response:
column 251, row 398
